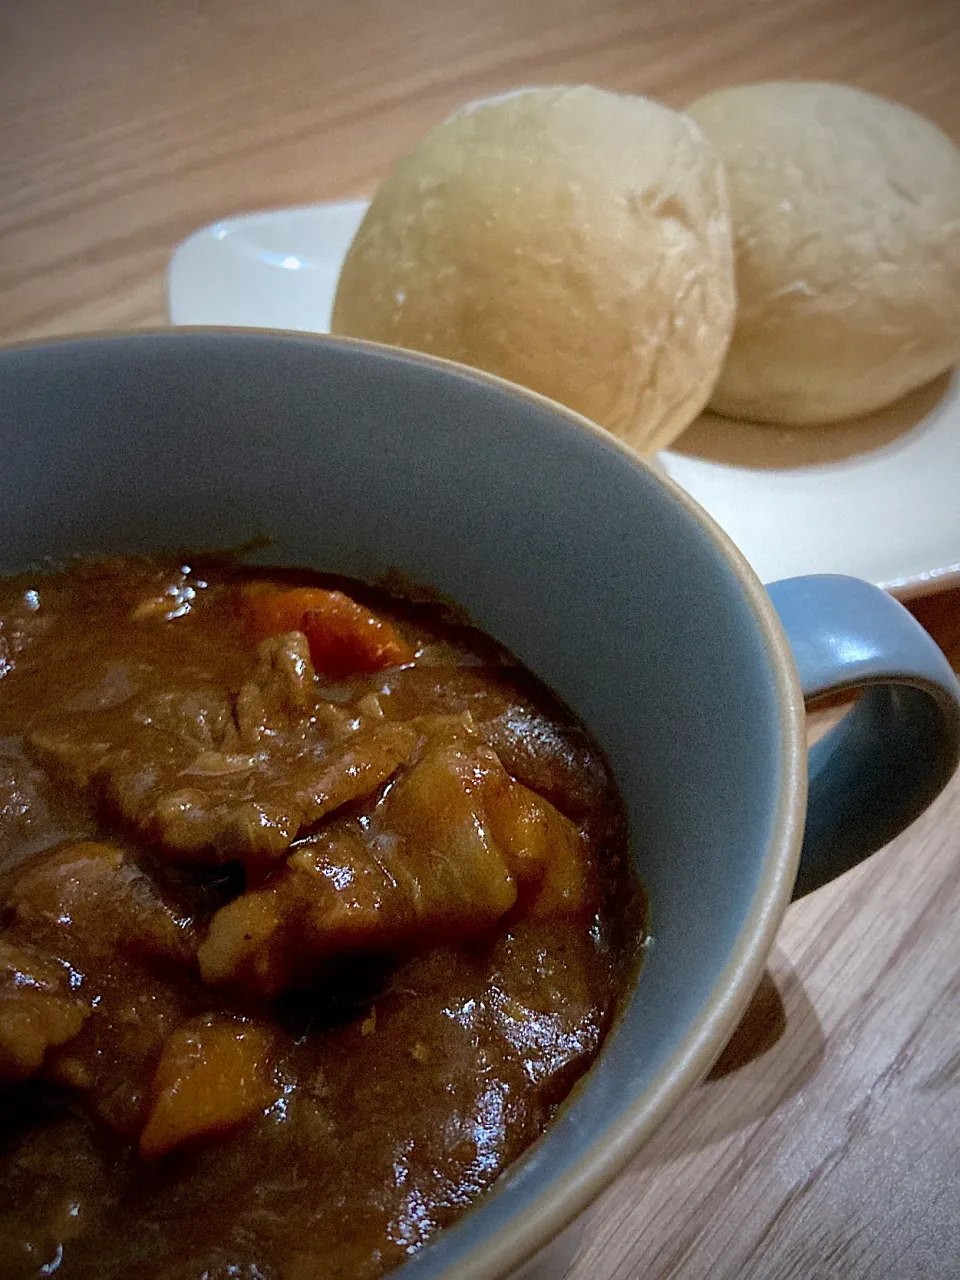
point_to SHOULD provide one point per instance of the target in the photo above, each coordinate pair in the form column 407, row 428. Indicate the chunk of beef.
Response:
column 38, row 1009
column 441, row 857
column 167, row 730
column 34, row 814
column 539, row 743
column 104, row 918
column 91, row 900
column 281, row 689
column 112, row 1059
column 254, row 814
column 553, row 757
column 213, row 779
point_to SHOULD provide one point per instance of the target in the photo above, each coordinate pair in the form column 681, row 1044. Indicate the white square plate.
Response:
column 878, row 498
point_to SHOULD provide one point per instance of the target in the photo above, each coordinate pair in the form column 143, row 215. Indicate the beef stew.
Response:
column 315, row 906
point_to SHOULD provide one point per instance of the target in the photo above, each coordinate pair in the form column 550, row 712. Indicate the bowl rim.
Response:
column 564, row 1198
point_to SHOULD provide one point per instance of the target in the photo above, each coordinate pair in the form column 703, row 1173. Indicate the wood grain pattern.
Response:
column 827, row 1142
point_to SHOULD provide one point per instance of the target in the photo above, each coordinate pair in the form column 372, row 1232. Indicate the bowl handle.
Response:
column 896, row 749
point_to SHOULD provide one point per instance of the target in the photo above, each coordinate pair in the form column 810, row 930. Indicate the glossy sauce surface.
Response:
column 315, row 906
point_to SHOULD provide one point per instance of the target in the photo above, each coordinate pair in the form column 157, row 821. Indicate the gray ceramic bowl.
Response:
column 599, row 574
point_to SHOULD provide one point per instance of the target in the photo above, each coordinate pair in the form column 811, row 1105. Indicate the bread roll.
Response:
column 846, row 213
column 574, row 241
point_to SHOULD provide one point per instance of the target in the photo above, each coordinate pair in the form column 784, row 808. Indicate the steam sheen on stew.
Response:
column 314, row 904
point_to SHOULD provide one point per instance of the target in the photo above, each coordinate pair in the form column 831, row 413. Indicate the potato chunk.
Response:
column 38, row 1010
column 441, row 858
column 423, row 866
column 214, row 1073
column 545, row 850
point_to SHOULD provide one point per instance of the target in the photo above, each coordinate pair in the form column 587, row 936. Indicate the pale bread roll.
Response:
column 846, row 214
column 574, row 241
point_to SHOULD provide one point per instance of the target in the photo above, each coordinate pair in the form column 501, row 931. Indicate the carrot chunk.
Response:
column 344, row 637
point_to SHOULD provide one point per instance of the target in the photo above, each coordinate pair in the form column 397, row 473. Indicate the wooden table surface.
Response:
column 827, row 1141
